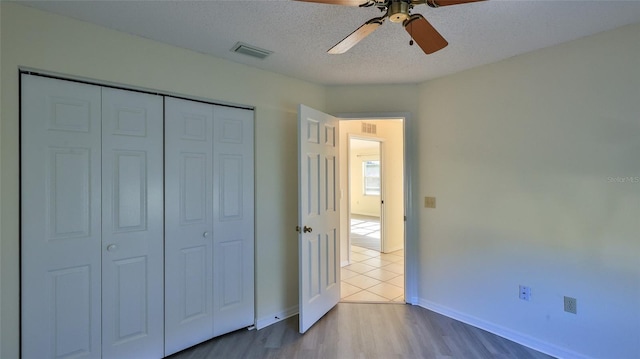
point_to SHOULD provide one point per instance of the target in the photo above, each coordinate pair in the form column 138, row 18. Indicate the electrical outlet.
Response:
column 525, row 293
column 570, row 305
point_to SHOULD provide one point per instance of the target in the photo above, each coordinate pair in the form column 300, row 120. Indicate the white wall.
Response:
column 520, row 156
column 52, row 43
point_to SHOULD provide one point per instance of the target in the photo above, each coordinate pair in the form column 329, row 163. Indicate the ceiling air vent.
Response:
column 250, row 50
column 369, row 128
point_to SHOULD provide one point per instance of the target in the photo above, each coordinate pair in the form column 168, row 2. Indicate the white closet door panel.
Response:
column 188, row 223
column 132, row 225
column 60, row 209
column 233, row 186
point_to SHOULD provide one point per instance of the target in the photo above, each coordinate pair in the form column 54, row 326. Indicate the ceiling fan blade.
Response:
column 438, row 3
column 356, row 36
column 425, row 35
column 339, row 2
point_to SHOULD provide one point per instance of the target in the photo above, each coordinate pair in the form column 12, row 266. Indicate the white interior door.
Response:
column 60, row 219
column 319, row 215
column 209, row 222
column 132, row 225
column 188, row 223
column 233, row 233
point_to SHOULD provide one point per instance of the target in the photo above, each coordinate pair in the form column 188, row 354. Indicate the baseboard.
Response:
column 393, row 249
column 276, row 317
column 372, row 214
column 413, row 301
column 506, row 333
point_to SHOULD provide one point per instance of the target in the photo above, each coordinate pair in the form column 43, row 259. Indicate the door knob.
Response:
column 307, row 229
column 298, row 229
column 112, row 248
column 205, row 234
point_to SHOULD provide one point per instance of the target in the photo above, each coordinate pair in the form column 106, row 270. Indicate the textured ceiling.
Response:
column 300, row 33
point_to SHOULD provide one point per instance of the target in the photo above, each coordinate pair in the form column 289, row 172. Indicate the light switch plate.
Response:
column 430, row 202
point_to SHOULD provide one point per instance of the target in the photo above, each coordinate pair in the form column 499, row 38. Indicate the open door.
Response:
column 319, row 215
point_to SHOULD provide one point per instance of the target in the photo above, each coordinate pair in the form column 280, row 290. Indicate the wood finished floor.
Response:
column 364, row 330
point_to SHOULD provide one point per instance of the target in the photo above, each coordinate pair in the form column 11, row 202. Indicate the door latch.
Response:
column 305, row 229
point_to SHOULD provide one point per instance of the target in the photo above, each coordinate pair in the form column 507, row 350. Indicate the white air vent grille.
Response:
column 369, row 128
column 250, row 50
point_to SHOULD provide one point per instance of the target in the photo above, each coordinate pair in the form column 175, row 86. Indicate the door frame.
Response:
column 410, row 196
column 380, row 142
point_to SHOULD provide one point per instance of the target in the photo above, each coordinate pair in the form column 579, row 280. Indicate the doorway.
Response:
column 373, row 210
column 364, row 191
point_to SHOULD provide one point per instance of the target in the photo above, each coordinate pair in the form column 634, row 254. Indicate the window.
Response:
column 371, row 175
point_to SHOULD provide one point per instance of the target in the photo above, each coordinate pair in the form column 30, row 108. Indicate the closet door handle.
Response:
column 307, row 229
column 205, row 234
column 112, row 248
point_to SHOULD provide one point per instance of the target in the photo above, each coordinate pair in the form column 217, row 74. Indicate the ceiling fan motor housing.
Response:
column 399, row 11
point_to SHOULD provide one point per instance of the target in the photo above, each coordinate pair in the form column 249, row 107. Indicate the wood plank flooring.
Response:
column 364, row 330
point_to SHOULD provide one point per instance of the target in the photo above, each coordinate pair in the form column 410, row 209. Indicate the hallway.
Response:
column 372, row 276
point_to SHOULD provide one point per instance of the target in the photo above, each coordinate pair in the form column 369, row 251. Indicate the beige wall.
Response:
column 390, row 133
column 52, row 43
column 523, row 157
column 368, row 205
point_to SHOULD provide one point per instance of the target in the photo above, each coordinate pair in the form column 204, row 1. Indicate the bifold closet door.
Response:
column 60, row 219
column 132, row 225
column 209, row 219
column 233, row 226
column 188, row 223
column 91, row 221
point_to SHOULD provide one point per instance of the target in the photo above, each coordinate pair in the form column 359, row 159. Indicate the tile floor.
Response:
column 373, row 276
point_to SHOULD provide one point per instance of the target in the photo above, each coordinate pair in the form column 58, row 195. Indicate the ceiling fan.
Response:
column 398, row 11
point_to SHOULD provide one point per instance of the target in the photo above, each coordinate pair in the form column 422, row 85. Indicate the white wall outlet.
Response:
column 525, row 293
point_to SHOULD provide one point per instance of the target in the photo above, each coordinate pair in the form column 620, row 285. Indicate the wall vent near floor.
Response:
column 250, row 50
column 369, row 128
